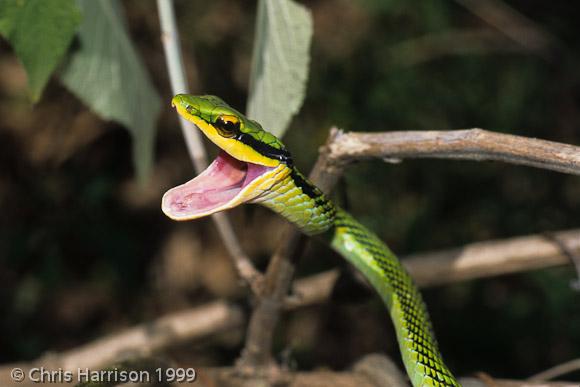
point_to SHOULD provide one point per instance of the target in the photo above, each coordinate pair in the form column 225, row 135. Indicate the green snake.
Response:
column 254, row 166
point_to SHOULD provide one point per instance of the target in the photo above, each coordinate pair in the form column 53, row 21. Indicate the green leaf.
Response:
column 108, row 75
column 40, row 32
column 9, row 10
column 279, row 64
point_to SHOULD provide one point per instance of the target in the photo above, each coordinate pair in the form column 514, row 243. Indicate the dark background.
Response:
column 85, row 251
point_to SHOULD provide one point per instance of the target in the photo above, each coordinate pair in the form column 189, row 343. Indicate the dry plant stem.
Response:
column 256, row 353
column 434, row 46
column 170, row 39
column 492, row 258
column 140, row 341
column 312, row 290
column 557, row 371
column 513, row 24
column 257, row 350
column 472, row 261
column 468, row 144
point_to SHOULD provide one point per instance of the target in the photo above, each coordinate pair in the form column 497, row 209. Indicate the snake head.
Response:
column 231, row 131
column 250, row 160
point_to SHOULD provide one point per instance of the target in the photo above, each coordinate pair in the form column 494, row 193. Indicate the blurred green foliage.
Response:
column 107, row 74
column 103, row 70
column 80, row 245
column 40, row 33
column 280, row 64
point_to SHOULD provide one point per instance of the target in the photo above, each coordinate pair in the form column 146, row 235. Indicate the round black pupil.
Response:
column 228, row 126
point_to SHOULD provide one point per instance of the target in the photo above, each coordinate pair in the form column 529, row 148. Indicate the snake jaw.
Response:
column 223, row 185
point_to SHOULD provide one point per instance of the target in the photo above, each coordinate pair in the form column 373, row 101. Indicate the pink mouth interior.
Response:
column 213, row 188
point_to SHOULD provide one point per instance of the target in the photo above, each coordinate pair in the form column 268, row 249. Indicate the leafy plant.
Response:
column 40, row 33
column 105, row 71
column 107, row 74
column 279, row 64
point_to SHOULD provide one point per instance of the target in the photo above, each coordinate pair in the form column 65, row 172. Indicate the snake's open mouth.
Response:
column 219, row 187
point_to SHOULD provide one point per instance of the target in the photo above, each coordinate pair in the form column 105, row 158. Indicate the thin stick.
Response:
column 434, row 46
column 170, row 39
column 492, row 258
column 142, row 340
column 472, row 261
column 512, row 23
column 468, row 144
column 556, row 371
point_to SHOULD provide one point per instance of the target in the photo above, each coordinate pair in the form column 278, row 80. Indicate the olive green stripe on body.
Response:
column 417, row 343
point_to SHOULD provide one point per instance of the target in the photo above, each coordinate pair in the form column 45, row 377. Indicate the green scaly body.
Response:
column 303, row 204
column 286, row 191
column 381, row 267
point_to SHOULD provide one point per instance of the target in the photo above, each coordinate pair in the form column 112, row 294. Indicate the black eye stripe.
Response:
column 264, row 149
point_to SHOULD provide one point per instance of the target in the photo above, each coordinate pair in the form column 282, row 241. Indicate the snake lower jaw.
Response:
column 225, row 184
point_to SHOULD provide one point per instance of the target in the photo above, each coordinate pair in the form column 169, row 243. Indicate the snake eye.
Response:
column 227, row 126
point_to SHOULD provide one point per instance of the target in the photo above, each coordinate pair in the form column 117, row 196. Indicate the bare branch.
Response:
column 142, row 340
column 173, row 58
column 468, row 144
column 556, row 371
column 512, row 23
column 434, row 46
column 472, row 261
column 491, row 258
column 149, row 338
column 312, row 290
column 170, row 39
